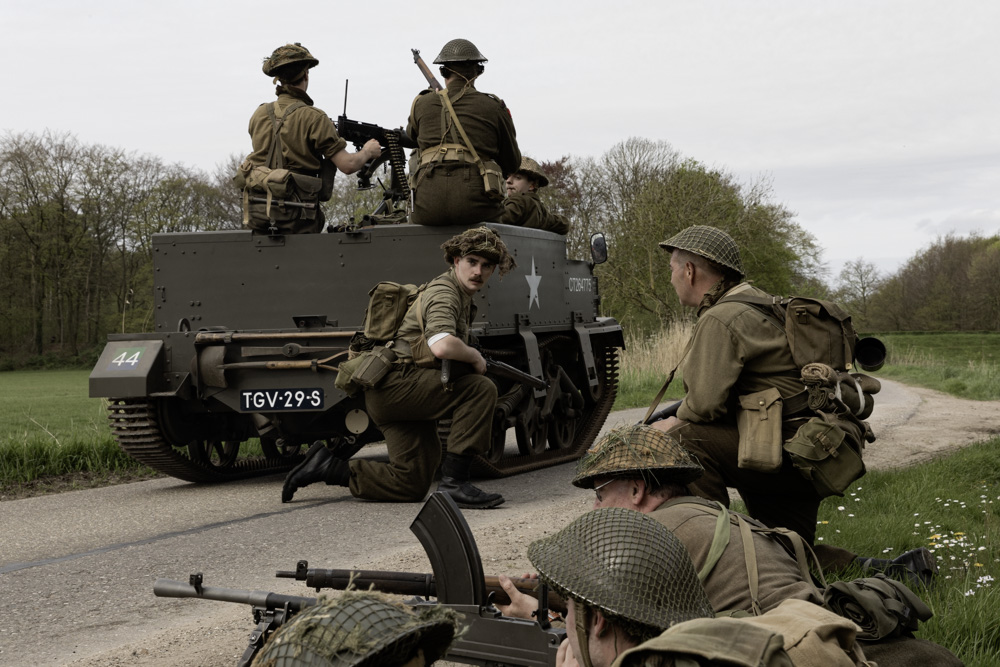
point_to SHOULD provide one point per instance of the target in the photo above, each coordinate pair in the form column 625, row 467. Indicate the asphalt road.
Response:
column 77, row 569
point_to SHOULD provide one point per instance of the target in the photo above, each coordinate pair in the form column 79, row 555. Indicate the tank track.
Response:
column 135, row 425
column 591, row 423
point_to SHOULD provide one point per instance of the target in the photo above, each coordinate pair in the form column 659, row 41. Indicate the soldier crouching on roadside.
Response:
column 410, row 399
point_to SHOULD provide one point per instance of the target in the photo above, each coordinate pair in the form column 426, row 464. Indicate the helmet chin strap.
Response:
column 582, row 634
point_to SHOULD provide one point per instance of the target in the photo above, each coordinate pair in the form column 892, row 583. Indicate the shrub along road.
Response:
column 77, row 569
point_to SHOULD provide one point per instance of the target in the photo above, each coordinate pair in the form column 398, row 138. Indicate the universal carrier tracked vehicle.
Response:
column 250, row 329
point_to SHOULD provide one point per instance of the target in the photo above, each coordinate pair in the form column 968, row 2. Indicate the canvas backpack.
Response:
column 818, row 331
column 371, row 353
column 794, row 634
column 827, row 449
column 275, row 198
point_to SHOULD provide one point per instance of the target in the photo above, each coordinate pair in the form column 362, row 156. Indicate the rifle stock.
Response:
column 451, row 370
column 669, row 411
column 426, row 71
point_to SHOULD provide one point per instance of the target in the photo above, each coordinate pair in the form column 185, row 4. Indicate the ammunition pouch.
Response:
column 826, row 450
column 365, row 371
column 279, row 197
column 759, row 422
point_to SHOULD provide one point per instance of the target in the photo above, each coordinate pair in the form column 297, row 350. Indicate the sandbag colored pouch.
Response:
column 824, row 454
column 759, row 423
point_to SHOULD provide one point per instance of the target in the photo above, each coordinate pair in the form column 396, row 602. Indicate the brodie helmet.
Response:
column 638, row 451
column 459, row 50
column 533, row 170
column 481, row 241
column 288, row 62
column 628, row 565
column 709, row 242
column 360, row 629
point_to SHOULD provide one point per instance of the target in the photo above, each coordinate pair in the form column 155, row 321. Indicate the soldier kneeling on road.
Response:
column 407, row 402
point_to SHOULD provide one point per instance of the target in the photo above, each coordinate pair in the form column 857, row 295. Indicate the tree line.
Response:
column 76, row 223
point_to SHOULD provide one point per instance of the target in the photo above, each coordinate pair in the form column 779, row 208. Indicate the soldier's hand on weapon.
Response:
column 521, row 605
column 479, row 363
column 372, row 149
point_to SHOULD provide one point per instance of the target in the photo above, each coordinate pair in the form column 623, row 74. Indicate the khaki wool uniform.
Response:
column 736, row 350
column 451, row 192
column 527, row 210
column 727, row 585
column 409, row 400
column 308, row 136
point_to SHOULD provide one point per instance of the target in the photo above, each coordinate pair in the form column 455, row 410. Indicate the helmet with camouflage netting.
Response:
column 533, row 170
column 709, row 242
column 637, row 451
column 481, row 241
column 626, row 564
column 360, row 629
column 289, row 62
column 459, row 50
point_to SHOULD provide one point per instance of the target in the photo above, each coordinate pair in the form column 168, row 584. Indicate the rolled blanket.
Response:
column 819, row 375
column 881, row 607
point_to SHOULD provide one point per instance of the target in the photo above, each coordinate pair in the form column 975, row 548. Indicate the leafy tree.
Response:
column 642, row 192
column 858, row 282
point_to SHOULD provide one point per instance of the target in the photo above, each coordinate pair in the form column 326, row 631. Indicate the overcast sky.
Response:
column 877, row 123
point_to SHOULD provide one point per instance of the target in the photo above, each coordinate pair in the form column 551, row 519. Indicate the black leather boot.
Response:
column 316, row 467
column 455, row 482
column 915, row 567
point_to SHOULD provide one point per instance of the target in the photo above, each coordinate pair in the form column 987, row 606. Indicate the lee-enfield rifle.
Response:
column 426, row 71
column 392, row 141
column 452, row 370
column 489, row 637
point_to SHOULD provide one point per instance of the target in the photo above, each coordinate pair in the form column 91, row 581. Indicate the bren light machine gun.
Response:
column 458, row 583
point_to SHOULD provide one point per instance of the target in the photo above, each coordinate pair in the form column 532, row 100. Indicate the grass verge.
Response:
column 966, row 365
column 952, row 506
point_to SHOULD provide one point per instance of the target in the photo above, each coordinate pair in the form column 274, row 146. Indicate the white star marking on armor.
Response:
column 533, row 280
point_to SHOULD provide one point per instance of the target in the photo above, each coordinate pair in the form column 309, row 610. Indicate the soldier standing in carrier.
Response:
column 466, row 145
column 735, row 350
column 410, row 399
column 523, row 207
column 293, row 134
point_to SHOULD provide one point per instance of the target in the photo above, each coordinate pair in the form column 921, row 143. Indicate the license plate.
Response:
column 268, row 400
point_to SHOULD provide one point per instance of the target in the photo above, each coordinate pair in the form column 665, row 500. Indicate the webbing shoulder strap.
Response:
column 720, row 540
column 461, row 130
column 274, row 153
column 670, row 378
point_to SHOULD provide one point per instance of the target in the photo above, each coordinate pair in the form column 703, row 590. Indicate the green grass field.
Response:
column 49, row 427
column 966, row 365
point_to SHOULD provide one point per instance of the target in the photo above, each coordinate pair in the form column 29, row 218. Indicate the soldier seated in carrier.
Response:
column 296, row 152
column 466, row 145
column 523, row 207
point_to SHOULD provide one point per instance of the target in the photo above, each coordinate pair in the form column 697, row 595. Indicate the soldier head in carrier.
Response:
column 625, row 579
column 528, row 178
column 460, row 58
